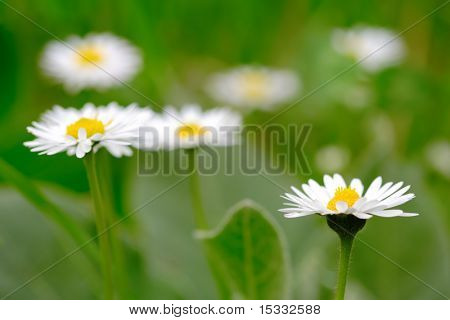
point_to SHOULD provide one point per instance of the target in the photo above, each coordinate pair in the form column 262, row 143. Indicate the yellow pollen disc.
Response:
column 92, row 126
column 348, row 195
column 255, row 84
column 190, row 130
column 88, row 55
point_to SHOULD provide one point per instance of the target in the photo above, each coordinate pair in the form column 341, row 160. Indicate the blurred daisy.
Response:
column 256, row 87
column 375, row 45
column 331, row 158
column 96, row 61
column 438, row 155
column 335, row 197
column 191, row 127
column 79, row 132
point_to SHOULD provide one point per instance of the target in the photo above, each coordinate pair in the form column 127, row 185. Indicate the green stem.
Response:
column 199, row 213
column 101, row 220
column 201, row 222
column 111, row 213
column 346, row 244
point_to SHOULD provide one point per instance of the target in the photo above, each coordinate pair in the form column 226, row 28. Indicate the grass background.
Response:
column 182, row 43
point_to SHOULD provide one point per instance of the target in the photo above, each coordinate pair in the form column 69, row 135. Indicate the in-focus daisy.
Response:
column 191, row 127
column 254, row 87
column 96, row 61
column 383, row 46
column 79, row 132
column 338, row 198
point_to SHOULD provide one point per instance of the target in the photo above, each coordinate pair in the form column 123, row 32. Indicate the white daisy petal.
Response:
column 390, row 191
column 398, row 201
column 408, row 214
column 357, row 185
column 361, row 215
column 388, row 213
column 339, row 181
column 373, row 188
column 329, row 185
column 341, row 206
column 297, row 214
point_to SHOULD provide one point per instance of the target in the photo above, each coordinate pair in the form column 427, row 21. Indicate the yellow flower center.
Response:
column 88, row 55
column 255, row 84
column 190, row 130
column 348, row 195
column 92, row 126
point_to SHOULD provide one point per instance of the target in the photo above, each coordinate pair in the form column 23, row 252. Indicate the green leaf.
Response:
column 249, row 253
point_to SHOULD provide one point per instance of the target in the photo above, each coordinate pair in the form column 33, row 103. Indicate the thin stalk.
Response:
column 346, row 244
column 101, row 220
column 201, row 222
column 119, row 267
column 199, row 213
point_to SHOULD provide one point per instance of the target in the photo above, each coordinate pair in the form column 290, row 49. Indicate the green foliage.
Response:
column 249, row 253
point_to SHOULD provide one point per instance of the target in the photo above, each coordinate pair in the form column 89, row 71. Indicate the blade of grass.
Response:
column 32, row 193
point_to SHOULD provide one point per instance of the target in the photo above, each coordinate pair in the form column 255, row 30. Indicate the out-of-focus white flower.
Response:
column 254, row 87
column 79, row 132
column 191, row 127
column 438, row 155
column 375, row 45
column 332, row 158
column 96, row 61
column 335, row 197
column 381, row 132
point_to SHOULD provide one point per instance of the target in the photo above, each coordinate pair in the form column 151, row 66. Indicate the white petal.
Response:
column 339, row 181
column 341, row 206
column 329, row 185
column 358, row 186
column 82, row 134
column 387, row 213
column 398, row 201
column 321, row 192
column 382, row 190
column 298, row 214
column 409, row 214
column 79, row 151
column 373, row 188
column 390, row 191
column 361, row 215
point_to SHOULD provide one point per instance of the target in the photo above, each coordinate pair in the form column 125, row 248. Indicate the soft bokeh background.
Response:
column 373, row 124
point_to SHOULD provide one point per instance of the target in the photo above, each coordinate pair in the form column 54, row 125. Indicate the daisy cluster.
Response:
column 117, row 129
column 101, row 61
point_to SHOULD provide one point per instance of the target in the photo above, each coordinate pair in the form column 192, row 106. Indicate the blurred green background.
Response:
column 404, row 109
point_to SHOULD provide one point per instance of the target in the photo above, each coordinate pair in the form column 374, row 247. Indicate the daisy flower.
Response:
column 375, row 45
column 79, row 132
column 257, row 87
column 96, row 61
column 191, row 127
column 335, row 198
